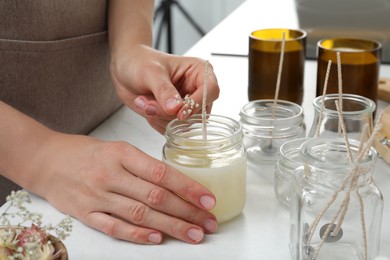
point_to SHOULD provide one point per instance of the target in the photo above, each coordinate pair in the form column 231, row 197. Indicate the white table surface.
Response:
column 262, row 230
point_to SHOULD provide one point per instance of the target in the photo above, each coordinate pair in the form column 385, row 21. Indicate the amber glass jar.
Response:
column 263, row 64
column 360, row 61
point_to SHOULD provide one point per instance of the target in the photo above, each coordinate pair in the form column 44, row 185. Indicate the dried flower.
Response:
column 28, row 243
column 189, row 104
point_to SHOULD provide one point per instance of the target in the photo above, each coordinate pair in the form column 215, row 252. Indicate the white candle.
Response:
column 217, row 162
column 227, row 183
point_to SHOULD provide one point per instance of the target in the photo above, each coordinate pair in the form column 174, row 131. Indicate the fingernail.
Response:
column 171, row 103
column 151, row 110
column 155, row 238
column 184, row 115
column 210, row 225
column 139, row 103
column 195, row 234
column 207, row 201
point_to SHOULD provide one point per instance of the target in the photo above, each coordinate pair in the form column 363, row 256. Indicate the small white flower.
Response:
column 18, row 242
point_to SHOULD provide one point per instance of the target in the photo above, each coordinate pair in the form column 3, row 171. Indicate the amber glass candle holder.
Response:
column 360, row 61
column 264, row 56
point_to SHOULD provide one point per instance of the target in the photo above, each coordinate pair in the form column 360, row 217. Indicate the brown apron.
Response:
column 54, row 63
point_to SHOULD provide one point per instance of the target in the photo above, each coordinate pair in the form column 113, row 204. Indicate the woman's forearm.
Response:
column 129, row 23
column 21, row 140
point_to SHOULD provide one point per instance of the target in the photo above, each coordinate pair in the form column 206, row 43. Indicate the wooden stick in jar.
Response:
column 204, row 112
column 279, row 76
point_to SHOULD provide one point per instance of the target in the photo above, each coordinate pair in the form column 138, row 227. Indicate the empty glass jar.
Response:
column 357, row 112
column 266, row 130
column 217, row 162
column 289, row 159
column 336, row 208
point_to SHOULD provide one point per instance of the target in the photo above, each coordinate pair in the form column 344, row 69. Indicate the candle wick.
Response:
column 204, row 124
column 279, row 76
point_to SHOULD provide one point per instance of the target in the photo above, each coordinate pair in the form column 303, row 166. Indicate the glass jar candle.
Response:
column 336, row 208
column 265, row 47
column 289, row 159
column 267, row 128
column 357, row 113
column 360, row 62
column 218, row 161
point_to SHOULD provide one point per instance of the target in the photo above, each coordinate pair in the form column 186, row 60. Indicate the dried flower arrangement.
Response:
column 34, row 241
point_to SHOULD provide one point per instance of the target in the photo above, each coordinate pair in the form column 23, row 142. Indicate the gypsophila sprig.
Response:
column 18, row 241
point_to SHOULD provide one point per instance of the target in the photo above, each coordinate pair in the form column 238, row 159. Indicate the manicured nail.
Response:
column 171, row 103
column 207, row 201
column 210, row 225
column 184, row 115
column 139, row 103
column 151, row 110
column 195, row 234
column 155, row 238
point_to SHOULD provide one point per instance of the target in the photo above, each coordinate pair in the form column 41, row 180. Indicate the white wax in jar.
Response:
column 227, row 183
column 347, row 49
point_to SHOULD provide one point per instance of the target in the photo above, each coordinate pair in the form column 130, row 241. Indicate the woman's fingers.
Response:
column 120, row 229
column 162, row 175
column 136, row 222
column 163, row 200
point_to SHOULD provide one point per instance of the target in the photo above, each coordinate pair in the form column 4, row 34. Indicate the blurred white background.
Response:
column 206, row 13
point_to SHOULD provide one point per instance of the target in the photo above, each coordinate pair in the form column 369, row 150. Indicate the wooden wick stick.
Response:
column 204, row 123
column 339, row 76
column 340, row 85
column 317, row 134
column 279, row 74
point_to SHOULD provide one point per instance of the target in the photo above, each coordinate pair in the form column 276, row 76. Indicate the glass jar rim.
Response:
column 268, row 103
column 232, row 130
column 291, row 145
column 301, row 34
column 368, row 104
column 338, row 145
column 358, row 44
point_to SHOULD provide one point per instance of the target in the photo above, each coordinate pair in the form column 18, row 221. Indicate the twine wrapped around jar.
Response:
column 336, row 208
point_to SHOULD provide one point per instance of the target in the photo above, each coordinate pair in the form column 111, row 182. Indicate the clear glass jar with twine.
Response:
column 336, row 208
column 215, row 158
column 357, row 112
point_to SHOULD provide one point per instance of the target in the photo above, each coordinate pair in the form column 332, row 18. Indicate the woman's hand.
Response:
column 153, row 84
column 110, row 186
column 117, row 189
column 148, row 81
